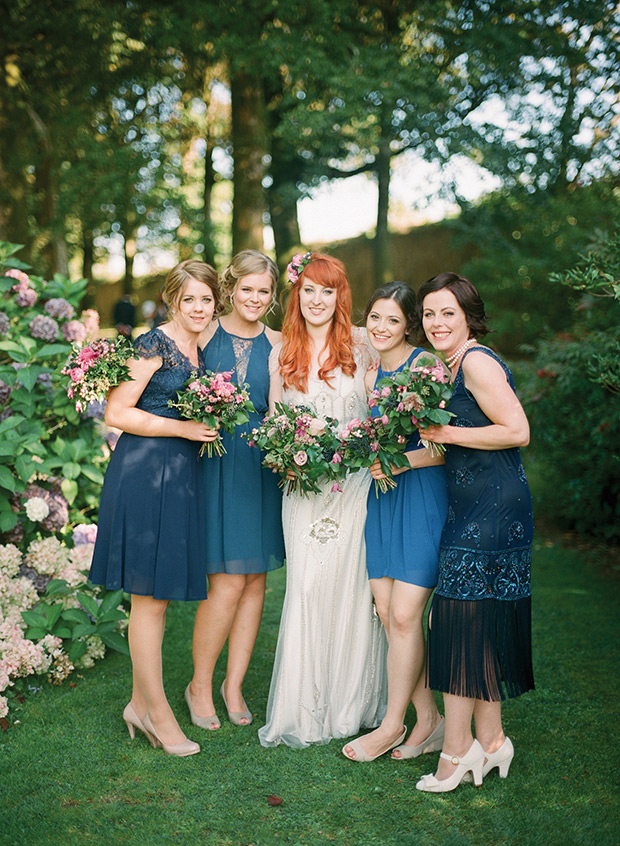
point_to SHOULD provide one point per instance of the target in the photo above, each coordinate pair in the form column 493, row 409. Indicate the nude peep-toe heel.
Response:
column 470, row 762
column 235, row 717
column 362, row 756
column 433, row 743
column 181, row 750
column 210, row 723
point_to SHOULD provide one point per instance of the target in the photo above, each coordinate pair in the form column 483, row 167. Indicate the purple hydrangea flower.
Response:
column 96, row 410
column 5, row 392
column 26, row 297
column 44, row 328
column 84, row 533
column 4, row 323
column 74, row 331
column 59, row 307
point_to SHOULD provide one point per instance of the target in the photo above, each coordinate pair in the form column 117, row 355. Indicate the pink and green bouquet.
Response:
column 362, row 442
column 94, row 369
column 217, row 401
column 300, row 447
column 414, row 398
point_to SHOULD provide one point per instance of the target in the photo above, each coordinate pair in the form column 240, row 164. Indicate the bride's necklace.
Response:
column 456, row 356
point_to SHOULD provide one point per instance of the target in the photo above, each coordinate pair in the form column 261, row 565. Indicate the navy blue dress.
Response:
column 479, row 642
column 404, row 524
column 151, row 536
column 243, row 504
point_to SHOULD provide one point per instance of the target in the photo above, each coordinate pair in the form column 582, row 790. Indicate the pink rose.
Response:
column 385, row 392
column 336, row 458
column 300, row 458
column 77, row 374
column 316, row 426
column 385, row 419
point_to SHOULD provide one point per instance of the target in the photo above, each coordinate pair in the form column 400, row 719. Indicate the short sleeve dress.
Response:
column 242, row 500
column 151, row 536
column 479, row 642
column 404, row 524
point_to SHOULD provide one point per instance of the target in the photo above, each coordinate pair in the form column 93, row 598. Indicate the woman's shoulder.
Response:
column 483, row 362
column 273, row 336
column 362, row 348
column 152, row 343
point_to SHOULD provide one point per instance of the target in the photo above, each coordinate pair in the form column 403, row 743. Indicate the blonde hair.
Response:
column 180, row 275
column 244, row 264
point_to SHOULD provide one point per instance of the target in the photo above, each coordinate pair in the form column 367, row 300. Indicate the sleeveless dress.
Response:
column 151, row 536
column 329, row 674
column 479, row 640
column 242, row 499
column 404, row 524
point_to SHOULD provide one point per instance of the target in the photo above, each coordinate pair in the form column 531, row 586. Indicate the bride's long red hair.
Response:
column 295, row 354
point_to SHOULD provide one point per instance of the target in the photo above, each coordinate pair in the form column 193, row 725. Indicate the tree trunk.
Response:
column 249, row 150
column 382, row 252
column 209, row 182
column 88, row 255
column 283, row 212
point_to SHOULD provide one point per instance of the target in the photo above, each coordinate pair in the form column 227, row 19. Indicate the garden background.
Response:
column 134, row 136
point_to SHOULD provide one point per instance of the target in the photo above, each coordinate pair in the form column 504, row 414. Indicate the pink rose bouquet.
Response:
column 96, row 368
column 215, row 400
column 299, row 446
column 413, row 399
column 362, row 442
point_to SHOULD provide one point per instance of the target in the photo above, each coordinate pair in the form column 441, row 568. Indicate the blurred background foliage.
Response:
column 147, row 133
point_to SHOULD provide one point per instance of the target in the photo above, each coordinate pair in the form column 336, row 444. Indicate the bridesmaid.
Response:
column 243, row 502
column 151, row 538
column 479, row 644
column 403, row 530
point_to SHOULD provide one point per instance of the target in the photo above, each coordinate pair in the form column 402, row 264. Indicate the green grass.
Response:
column 70, row 774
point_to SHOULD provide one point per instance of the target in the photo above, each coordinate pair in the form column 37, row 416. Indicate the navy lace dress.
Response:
column 242, row 500
column 151, row 537
column 479, row 642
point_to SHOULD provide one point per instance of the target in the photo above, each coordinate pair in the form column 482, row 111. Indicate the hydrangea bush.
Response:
column 52, row 462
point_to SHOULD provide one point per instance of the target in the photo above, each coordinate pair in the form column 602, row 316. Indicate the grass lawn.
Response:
column 71, row 775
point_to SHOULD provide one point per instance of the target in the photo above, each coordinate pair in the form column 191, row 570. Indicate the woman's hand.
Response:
column 195, row 431
column 377, row 473
column 437, row 434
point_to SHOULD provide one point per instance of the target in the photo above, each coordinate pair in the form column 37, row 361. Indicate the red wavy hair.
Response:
column 295, row 354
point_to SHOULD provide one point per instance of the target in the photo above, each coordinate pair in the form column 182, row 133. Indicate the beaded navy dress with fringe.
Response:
column 479, row 642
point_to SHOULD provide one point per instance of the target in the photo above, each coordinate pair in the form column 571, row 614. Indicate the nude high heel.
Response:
column 181, row 750
column 501, row 759
column 133, row 722
column 210, row 723
column 363, row 757
column 235, row 717
column 433, row 743
column 471, row 762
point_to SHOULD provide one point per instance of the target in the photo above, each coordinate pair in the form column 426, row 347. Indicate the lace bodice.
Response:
column 345, row 399
column 174, row 372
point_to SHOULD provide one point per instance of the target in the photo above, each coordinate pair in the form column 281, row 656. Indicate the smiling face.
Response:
column 195, row 306
column 444, row 321
column 386, row 325
column 316, row 302
column 252, row 296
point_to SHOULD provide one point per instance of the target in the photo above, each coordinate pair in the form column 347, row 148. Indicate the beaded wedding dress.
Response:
column 329, row 671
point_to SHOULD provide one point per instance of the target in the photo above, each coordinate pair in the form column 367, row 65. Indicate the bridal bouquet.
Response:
column 93, row 369
column 215, row 400
column 362, row 442
column 299, row 446
column 414, row 398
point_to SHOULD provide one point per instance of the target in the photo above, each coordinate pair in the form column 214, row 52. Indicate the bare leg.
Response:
column 146, row 628
column 488, row 723
column 458, row 737
column 405, row 662
column 242, row 638
column 214, row 620
column 382, row 593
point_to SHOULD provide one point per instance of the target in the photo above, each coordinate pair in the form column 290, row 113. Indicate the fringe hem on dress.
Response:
column 481, row 649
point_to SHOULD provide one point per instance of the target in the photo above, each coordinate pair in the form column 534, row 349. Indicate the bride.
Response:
column 328, row 676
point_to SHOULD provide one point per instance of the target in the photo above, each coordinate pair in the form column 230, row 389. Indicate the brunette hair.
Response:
column 180, row 275
column 466, row 295
column 404, row 297
column 295, row 354
column 246, row 263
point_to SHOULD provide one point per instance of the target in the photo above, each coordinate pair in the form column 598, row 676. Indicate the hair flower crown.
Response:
column 296, row 265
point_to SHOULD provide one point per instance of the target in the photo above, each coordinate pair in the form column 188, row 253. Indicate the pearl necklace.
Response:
column 456, row 356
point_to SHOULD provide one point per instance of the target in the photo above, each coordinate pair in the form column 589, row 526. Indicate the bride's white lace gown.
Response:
column 329, row 670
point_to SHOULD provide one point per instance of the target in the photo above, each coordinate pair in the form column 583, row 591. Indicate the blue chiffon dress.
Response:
column 151, row 536
column 479, row 640
column 243, row 504
column 404, row 524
